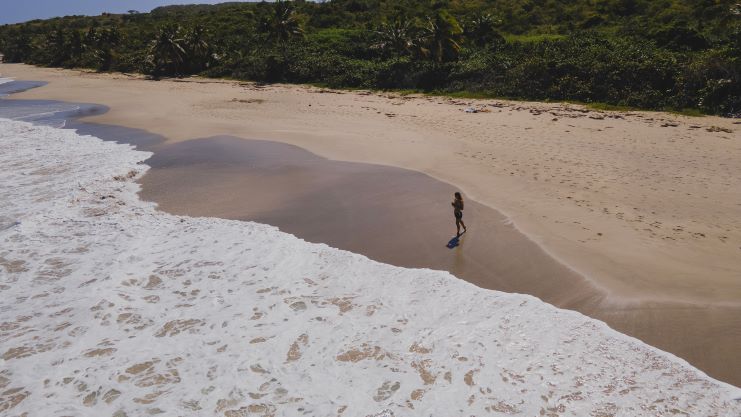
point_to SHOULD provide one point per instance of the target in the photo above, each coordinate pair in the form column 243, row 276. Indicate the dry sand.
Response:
column 647, row 206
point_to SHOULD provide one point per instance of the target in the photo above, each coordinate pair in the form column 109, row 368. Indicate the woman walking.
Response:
column 458, row 213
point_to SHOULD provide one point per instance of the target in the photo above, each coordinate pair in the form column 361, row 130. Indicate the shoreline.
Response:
column 606, row 241
column 618, row 300
column 509, row 350
column 389, row 214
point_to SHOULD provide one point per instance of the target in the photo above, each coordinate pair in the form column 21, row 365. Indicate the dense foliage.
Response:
column 645, row 53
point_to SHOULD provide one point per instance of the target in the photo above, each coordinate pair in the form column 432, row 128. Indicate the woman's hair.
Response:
column 458, row 195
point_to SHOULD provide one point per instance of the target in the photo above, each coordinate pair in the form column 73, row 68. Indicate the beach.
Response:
column 643, row 207
column 113, row 307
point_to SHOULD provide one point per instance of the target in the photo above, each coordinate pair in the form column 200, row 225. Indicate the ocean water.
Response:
column 47, row 112
column 10, row 86
column 109, row 307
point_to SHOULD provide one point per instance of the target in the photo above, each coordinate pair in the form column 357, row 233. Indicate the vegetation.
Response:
column 653, row 54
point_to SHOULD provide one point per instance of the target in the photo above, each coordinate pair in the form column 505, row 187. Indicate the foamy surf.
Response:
column 110, row 307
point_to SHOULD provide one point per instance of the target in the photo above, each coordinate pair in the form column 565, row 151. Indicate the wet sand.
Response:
column 389, row 214
column 404, row 218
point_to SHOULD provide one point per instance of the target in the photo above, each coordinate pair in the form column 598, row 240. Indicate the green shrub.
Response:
column 679, row 54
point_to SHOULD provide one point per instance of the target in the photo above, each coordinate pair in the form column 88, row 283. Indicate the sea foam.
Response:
column 112, row 308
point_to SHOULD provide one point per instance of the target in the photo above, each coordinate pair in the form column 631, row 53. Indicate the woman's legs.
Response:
column 459, row 223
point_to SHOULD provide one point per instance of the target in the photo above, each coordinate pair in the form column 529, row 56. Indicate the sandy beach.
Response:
column 646, row 207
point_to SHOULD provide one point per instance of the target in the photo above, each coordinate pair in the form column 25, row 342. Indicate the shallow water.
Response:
column 8, row 86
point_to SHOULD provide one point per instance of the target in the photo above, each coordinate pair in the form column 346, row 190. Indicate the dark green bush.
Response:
column 642, row 53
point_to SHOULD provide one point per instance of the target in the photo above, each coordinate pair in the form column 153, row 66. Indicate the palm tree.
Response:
column 481, row 30
column 100, row 43
column 284, row 25
column 166, row 51
column 198, row 51
column 109, row 39
column 396, row 37
column 442, row 37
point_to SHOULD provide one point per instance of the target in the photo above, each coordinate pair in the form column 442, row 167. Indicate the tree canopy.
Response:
column 652, row 54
